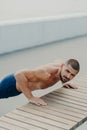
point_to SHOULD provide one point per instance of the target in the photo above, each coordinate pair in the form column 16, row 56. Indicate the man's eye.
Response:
column 72, row 75
column 67, row 71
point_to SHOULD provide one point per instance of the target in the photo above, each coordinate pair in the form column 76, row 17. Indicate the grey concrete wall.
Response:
column 19, row 34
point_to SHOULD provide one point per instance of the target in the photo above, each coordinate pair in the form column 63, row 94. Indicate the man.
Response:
column 26, row 81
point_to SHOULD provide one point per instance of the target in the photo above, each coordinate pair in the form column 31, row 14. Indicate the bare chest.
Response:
column 42, row 85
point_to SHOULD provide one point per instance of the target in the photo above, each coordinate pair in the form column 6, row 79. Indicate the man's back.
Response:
column 39, row 78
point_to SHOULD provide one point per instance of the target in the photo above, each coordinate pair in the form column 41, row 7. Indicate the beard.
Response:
column 64, row 79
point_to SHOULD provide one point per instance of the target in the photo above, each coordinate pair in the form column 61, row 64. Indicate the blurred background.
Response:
column 33, row 33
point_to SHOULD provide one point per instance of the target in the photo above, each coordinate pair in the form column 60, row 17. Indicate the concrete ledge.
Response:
column 19, row 34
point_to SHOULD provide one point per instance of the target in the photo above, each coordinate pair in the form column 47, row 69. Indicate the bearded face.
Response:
column 67, row 73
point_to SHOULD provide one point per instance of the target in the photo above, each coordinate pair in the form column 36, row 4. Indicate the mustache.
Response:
column 64, row 78
column 67, row 79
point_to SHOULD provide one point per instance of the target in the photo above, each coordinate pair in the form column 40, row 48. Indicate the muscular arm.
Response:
column 33, row 99
column 27, row 92
column 69, row 85
column 23, row 86
column 22, row 83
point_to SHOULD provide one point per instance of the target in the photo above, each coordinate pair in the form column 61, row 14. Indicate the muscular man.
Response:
column 26, row 81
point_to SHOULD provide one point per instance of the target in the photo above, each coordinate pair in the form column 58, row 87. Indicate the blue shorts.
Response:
column 8, row 87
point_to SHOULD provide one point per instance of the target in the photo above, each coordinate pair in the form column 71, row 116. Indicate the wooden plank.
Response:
column 20, row 124
column 73, row 93
column 1, row 128
column 31, row 121
column 67, row 104
column 10, row 126
column 42, row 119
column 69, row 97
column 61, row 106
column 46, row 115
column 54, row 111
column 59, row 110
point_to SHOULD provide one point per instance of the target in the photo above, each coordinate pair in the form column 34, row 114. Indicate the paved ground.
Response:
column 31, row 58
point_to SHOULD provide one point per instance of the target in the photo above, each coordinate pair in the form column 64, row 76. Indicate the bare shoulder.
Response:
column 27, row 75
column 48, row 68
column 24, row 73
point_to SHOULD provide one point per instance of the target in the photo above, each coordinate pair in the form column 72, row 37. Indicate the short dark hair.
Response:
column 74, row 64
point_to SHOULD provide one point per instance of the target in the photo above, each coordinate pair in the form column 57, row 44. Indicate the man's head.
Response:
column 69, row 70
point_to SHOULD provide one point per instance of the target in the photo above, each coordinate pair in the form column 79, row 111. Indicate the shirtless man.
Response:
column 26, row 81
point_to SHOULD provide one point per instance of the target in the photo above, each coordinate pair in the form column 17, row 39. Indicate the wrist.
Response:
column 30, row 96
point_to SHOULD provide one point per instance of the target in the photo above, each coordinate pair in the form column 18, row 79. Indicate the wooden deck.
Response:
column 66, row 110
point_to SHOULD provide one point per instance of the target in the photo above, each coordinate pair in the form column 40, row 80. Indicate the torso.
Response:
column 42, row 85
column 38, row 79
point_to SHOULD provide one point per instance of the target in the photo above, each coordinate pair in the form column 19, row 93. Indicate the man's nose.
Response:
column 69, row 76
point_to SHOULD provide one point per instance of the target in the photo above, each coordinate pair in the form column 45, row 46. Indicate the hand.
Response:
column 38, row 101
column 68, row 85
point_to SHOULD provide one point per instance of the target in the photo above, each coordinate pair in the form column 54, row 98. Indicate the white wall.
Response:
column 16, row 9
column 27, row 23
column 27, row 33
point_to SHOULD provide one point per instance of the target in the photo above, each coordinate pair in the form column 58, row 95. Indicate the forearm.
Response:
column 27, row 92
column 35, row 100
column 69, row 85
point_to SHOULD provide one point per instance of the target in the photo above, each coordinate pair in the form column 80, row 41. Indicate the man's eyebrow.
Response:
column 70, row 72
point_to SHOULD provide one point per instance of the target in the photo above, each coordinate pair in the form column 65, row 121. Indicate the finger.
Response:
column 73, row 86
column 66, row 86
column 38, row 104
column 45, row 104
